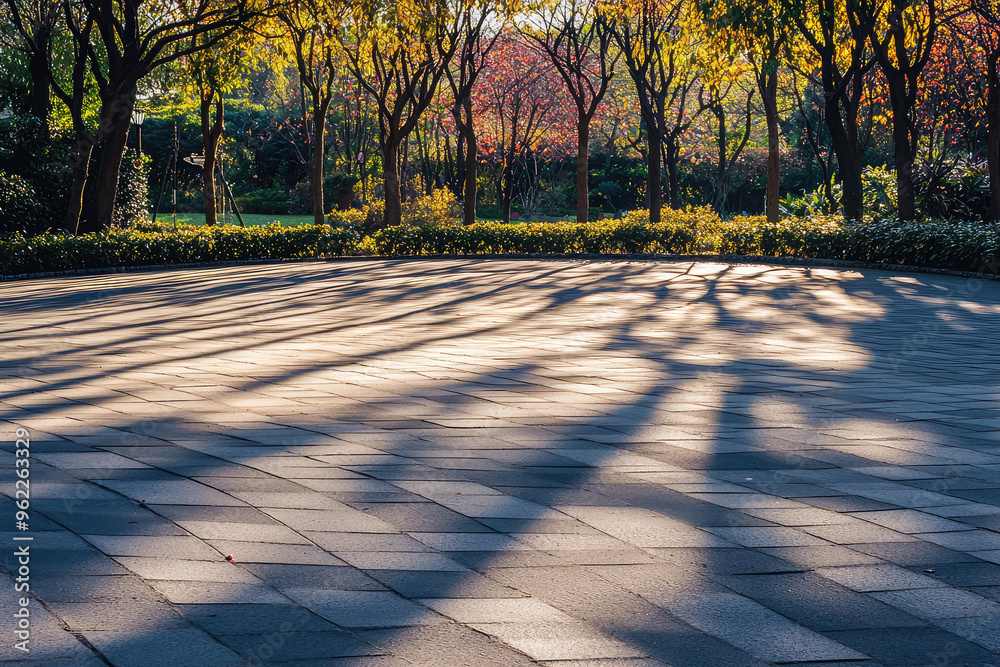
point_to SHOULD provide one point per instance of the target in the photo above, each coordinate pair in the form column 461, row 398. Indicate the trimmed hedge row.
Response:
column 153, row 244
column 946, row 245
column 620, row 236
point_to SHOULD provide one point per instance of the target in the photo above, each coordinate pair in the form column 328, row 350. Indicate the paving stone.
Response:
column 176, row 569
column 723, row 561
column 93, row 589
column 558, row 641
column 906, row 647
column 913, row 554
column 421, row 518
column 285, row 646
column 173, row 492
column 246, row 532
column 758, row 630
column 817, row 603
column 450, row 644
column 967, row 574
column 501, row 610
column 210, row 592
column 188, row 646
column 343, row 519
column 982, row 631
column 469, row 541
column 223, row 515
column 258, row 619
column 855, row 533
column 821, row 556
column 937, row 603
column 868, row 578
column 643, row 528
column 967, row 540
column 364, row 609
column 167, row 546
column 911, row 521
column 425, row 584
column 132, row 616
column 320, row 577
column 768, row 537
column 366, row 560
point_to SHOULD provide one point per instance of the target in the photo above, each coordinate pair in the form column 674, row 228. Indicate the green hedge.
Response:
column 947, row 245
column 152, row 244
column 617, row 236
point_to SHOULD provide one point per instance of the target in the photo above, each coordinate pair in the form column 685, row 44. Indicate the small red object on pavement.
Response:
column 230, row 558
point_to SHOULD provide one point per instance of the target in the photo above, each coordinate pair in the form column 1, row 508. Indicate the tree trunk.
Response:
column 470, row 181
column 722, row 167
column 769, row 91
column 993, row 136
column 84, row 149
column 41, row 105
column 902, row 151
column 848, row 153
column 115, row 121
column 390, row 181
column 211, row 133
column 506, row 188
column 673, row 179
column 319, row 123
column 582, row 163
column 654, row 194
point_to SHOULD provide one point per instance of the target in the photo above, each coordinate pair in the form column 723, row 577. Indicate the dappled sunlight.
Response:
column 428, row 431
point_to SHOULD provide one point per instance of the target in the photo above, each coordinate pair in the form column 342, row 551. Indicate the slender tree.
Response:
column 901, row 34
column 838, row 38
column 310, row 27
column 36, row 23
column 131, row 39
column 646, row 31
column 399, row 53
column 576, row 37
column 469, row 61
column 984, row 31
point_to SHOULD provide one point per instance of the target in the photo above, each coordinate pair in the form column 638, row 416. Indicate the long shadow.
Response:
column 566, row 460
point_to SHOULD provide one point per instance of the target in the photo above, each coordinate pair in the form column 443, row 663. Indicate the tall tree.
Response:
column 759, row 32
column 576, row 37
column 73, row 93
column 134, row 38
column 984, row 32
column 211, row 74
column 36, row 23
column 469, row 61
column 839, row 41
column 520, row 112
column 901, row 34
column 309, row 26
column 398, row 53
column 646, row 32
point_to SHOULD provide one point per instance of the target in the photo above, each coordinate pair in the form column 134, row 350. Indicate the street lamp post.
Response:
column 138, row 116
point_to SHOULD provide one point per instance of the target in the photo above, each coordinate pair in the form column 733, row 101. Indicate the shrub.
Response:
column 440, row 208
column 37, row 168
column 157, row 243
column 271, row 201
column 949, row 245
column 603, row 236
column 352, row 218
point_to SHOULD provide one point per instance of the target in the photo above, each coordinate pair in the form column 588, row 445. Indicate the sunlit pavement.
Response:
column 505, row 463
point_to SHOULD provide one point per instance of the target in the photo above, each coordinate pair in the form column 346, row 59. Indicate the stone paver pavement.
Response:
column 505, row 463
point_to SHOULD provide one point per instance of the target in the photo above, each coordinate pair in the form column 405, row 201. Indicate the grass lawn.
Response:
column 250, row 219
